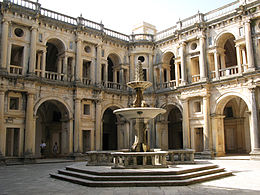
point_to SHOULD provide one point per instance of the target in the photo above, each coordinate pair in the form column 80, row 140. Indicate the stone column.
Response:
column 30, row 127
column 59, row 67
column 249, row 46
column 183, row 65
column 176, row 74
column 206, row 128
column 186, row 124
column 239, row 64
column 65, row 68
column 216, row 60
column 33, row 51
column 218, row 134
column 92, row 71
column 151, row 71
column 132, row 67
column 98, row 65
column 106, row 72
column 43, row 63
column 77, row 126
column 254, row 130
column 2, row 124
column 98, row 126
column 4, row 44
column 73, row 69
column 78, row 60
column 202, row 59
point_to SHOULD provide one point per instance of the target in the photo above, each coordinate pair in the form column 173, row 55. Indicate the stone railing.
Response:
column 181, row 156
column 133, row 160
column 99, row 158
column 141, row 37
column 116, row 34
column 57, row 16
column 228, row 71
column 54, row 76
column 113, row 85
column 17, row 70
column 222, row 11
column 195, row 78
column 86, row 81
column 165, row 33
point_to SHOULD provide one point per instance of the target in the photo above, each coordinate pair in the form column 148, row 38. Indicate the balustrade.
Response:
column 139, row 159
column 195, row 78
column 17, row 70
column 86, row 81
column 181, row 156
column 54, row 76
column 228, row 71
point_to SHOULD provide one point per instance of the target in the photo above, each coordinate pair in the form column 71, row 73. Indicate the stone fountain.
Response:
column 141, row 114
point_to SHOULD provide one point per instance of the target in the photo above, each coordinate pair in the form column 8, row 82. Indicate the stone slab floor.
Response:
column 34, row 179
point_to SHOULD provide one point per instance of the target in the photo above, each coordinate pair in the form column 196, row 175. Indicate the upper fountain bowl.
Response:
column 139, row 84
column 140, row 112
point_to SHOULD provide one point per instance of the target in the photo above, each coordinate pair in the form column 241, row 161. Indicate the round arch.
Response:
column 223, row 36
column 53, row 127
column 167, row 55
column 224, row 98
column 42, row 100
column 232, row 124
column 60, row 43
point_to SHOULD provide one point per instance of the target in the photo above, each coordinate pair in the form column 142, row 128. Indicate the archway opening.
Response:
column 227, row 51
column 175, row 134
column 52, row 126
column 54, row 49
column 109, row 130
column 236, row 127
column 112, row 73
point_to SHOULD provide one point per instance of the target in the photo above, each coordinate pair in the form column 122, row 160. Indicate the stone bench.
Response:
column 181, row 156
column 135, row 160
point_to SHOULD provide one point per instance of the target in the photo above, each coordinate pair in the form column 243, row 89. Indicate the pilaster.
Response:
column 186, row 124
column 249, row 46
column 183, row 65
column 32, row 61
column 4, row 44
column 2, row 125
column 30, row 127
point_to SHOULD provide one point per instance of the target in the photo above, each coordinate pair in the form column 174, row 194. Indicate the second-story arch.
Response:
column 113, row 60
column 55, row 48
column 227, row 54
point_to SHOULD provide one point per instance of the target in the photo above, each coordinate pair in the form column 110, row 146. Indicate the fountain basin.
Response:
column 139, row 112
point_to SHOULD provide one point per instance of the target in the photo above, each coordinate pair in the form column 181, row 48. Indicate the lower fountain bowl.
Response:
column 140, row 112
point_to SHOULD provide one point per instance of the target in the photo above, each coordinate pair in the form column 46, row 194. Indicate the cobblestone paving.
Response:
column 35, row 179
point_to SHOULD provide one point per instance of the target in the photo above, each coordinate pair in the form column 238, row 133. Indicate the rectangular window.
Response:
column 71, row 45
column 210, row 40
column 14, row 103
column 86, row 109
column 102, row 52
column 17, row 55
column 40, row 37
column 241, row 31
column 197, row 106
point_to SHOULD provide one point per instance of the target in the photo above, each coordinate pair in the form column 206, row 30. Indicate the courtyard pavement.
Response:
column 34, row 179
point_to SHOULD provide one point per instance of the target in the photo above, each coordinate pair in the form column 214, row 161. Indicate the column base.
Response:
column 204, row 79
column 255, row 154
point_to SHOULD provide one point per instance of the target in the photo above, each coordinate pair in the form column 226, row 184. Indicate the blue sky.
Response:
column 122, row 15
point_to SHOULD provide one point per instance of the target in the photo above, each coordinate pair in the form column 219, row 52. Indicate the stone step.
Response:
column 130, row 172
column 140, row 177
column 189, row 181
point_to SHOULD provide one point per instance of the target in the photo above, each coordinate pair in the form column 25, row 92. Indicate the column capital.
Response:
column 33, row 28
column 6, row 21
column 182, row 44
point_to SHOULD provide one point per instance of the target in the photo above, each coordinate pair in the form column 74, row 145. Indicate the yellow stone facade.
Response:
column 62, row 77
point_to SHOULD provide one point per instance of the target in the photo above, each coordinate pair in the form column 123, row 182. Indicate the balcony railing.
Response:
column 54, row 76
column 86, row 81
column 228, row 71
column 17, row 70
column 195, row 78
column 112, row 85
column 141, row 37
